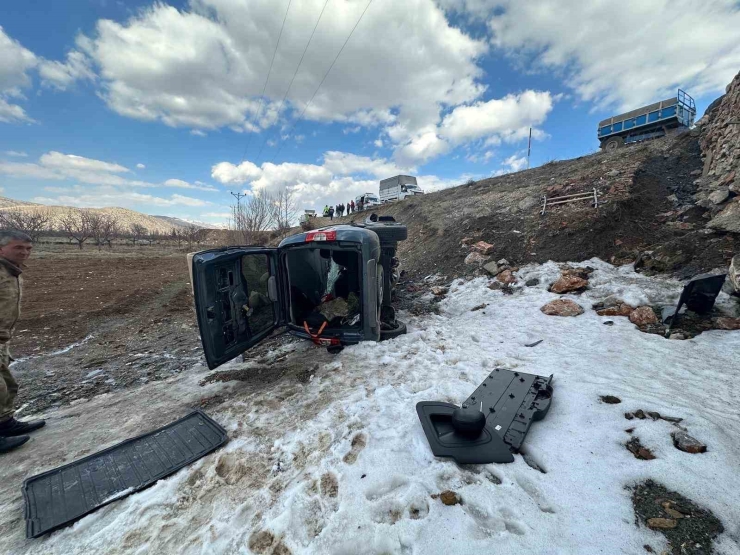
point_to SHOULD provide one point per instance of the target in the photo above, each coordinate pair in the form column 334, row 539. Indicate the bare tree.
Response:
column 33, row 222
column 253, row 216
column 77, row 225
column 103, row 227
column 192, row 234
column 177, row 235
column 284, row 209
column 137, row 232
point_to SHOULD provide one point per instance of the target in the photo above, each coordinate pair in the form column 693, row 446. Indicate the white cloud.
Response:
column 229, row 174
column 197, row 133
column 378, row 142
column 61, row 75
column 624, row 53
column 127, row 199
column 64, row 162
column 345, row 163
column 512, row 164
column 507, row 118
column 204, row 67
column 140, row 166
column 185, row 185
column 15, row 64
column 16, row 153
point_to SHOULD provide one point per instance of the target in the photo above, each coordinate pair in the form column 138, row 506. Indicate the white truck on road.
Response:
column 398, row 188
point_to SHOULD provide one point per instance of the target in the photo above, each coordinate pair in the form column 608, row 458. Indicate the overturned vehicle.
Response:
column 332, row 285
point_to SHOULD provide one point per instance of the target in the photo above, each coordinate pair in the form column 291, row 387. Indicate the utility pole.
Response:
column 238, row 197
column 529, row 147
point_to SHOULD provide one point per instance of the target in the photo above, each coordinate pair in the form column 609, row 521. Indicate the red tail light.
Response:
column 321, row 236
column 327, row 342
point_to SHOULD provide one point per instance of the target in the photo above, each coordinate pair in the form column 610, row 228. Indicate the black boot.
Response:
column 12, row 443
column 13, row 427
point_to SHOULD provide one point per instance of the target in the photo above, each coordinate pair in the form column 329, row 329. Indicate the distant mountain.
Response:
column 125, row 217
column 178, row 222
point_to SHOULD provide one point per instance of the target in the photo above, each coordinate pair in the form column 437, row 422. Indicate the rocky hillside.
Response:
column 659, row 206
column 125, row 217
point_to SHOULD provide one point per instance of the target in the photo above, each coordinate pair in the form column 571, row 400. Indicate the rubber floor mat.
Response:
column 61, row 496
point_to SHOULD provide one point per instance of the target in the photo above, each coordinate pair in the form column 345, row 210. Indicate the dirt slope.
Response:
column 646, row 196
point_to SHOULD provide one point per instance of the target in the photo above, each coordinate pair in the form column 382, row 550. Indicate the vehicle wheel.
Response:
column 389, row 232
column 613, row 144
column 400, row 329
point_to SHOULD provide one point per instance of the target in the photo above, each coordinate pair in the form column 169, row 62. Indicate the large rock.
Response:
column 733, row 275
column 476, row 258
column 643, row 315
column 492, row 268
column 719, row 196
column 482, row 247
column 621, row 309
column 686, row 443
column 562, row 307
column 527, row 203
column 506, row 277
column 726, row 323
column 568, row 284
column 728, row 219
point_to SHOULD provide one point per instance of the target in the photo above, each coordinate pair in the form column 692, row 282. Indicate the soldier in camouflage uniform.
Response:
column 15, row 248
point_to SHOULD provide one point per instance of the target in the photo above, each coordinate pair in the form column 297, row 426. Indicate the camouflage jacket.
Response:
column 11, row 284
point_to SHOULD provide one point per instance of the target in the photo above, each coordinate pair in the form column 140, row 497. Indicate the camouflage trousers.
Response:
column 8, row 385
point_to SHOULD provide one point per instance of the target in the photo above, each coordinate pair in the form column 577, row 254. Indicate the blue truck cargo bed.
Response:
column 647, row 122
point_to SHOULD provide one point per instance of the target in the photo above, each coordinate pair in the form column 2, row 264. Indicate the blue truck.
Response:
column 648, row 122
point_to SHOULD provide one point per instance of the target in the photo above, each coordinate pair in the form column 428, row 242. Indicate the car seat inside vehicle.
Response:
column 324, row 287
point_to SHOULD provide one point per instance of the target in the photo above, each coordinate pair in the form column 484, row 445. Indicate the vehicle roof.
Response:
column 348, row 233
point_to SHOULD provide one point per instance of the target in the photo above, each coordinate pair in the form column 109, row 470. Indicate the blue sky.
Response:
column 159, row 107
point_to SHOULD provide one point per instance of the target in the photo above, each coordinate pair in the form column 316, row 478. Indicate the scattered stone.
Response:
column 678, row 336
column 629, row 430
column 692, row 534
column 673, row 419
column 638, row 450
column 610, row 399
column 686, row 443
column 492, row 268
column 503, row 262
column 506, row 277
column 583, row 273
column 449, row 498
column 696, row 173
column 613, row 173
column 661, row 523
column 534, row 344
column 527, row 203
column 562, row 307
column 643, row 315
column 654, row 415
column 569, row 284
column 608, row 322
column 467, row 241
column 639, row 414
column 719, row 196
column 532, row 282
column 438, row 290
column 495, row 285
column 479, row 307
column 629, row 416
column 726, row 323
column 622, row 309
column 483, row 247
column 476, row 258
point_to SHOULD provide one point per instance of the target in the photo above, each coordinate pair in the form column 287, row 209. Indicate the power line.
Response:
column 264, row 87
column 295, row 73
column 325, row 76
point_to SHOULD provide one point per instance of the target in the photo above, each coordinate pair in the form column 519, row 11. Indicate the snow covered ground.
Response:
column 341, row 465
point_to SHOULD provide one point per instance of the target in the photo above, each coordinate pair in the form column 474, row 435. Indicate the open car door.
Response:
column 238, row 299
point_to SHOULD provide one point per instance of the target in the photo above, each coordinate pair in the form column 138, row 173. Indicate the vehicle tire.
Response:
column 389, row 232
column 400, row 329
column 613, row 143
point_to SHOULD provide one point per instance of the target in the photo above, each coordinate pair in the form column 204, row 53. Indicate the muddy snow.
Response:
column 337, row 462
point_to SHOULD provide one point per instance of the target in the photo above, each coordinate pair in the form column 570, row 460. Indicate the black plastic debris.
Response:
column 699, row 295
column 492, row 423
column 61, row 496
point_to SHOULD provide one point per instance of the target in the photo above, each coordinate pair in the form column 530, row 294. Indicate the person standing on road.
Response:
column 352, row 204
column 15, row 248
column 331, row 212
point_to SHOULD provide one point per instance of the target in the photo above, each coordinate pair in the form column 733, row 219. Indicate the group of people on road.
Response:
column 339, row 210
